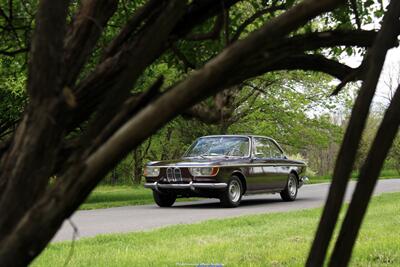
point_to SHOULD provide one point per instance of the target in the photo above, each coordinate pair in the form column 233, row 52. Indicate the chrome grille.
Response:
column 174, row 174
column 177, row 174
column 170, row 174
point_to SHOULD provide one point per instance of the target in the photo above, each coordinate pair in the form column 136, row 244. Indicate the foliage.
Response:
column 12, row 93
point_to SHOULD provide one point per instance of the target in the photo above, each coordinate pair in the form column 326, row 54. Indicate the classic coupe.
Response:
column 226, row 167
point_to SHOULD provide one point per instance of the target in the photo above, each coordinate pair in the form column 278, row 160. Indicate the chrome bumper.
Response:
column 191, row 185
column 303, row 180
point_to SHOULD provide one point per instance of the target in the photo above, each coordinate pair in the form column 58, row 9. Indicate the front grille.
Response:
column 170, row 174
column 174, row 174
column 177, row 175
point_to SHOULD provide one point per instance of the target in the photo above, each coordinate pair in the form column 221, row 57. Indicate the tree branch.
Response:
column 251, row 19
column 203, row 113
column 137, row 56
column 92, row 90
column 83, row 35
column 131, row 27
column 353, row 4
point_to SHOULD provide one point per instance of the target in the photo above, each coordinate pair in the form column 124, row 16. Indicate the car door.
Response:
column 282, row 167
column 263, row 172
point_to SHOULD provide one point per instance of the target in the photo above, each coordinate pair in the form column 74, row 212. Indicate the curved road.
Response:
column 138, row 218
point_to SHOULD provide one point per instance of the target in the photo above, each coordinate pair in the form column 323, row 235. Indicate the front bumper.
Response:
column 191, row 186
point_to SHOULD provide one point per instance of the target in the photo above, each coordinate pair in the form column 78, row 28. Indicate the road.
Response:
column 146, row 217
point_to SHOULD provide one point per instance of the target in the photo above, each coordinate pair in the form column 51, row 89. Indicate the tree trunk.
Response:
column 345, row 160
column 366, row 183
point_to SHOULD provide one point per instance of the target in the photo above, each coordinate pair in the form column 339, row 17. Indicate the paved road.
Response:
column 138, row 218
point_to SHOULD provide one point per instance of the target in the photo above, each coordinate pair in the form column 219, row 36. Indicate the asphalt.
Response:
column 139, row 218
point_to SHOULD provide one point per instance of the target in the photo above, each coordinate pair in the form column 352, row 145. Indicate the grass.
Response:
column 277, row 239
column 108, row 196
column 385, row 174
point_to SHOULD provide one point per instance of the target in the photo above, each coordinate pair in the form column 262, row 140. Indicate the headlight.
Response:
column 151, row 171
column 204, row 171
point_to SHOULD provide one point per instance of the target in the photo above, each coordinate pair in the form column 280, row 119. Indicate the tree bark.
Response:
column 23, row 172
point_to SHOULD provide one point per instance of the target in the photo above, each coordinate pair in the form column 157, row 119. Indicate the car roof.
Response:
column 236, row 135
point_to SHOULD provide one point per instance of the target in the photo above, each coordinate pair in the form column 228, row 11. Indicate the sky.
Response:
column 389, row 76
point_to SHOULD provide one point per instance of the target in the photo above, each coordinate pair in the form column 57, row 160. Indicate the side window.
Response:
column 262, row 148
column 265, row 148
column 275, row 151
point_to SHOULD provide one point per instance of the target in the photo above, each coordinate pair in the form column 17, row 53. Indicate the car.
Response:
column 226, row 167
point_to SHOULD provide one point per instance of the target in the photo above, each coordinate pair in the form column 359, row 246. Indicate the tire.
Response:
column 290, row 191
column 232, row 195
column 164, row 199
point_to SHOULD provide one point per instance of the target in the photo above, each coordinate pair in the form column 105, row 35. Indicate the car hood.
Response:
column 198, row 162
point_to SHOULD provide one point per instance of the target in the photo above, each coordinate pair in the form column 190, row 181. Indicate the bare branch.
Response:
column 355, row 74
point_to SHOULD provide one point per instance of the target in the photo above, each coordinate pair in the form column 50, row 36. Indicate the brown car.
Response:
column 226, row 167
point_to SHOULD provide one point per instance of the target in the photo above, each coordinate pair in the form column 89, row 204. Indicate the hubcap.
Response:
column 292, row 186
column 234, row 191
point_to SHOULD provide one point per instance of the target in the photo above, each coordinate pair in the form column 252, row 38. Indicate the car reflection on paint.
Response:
column 226, row 167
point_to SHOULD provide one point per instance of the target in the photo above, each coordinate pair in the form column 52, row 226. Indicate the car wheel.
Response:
column 290, row 191
column 232, row 195
column 164, row 199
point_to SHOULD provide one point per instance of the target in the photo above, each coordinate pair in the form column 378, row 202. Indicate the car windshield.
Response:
column 219, row 147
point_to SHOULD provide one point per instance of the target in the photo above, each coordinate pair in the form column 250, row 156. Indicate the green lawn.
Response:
column 107, row 196
column 277, row 239
column 385, row 174
column 115, row 196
